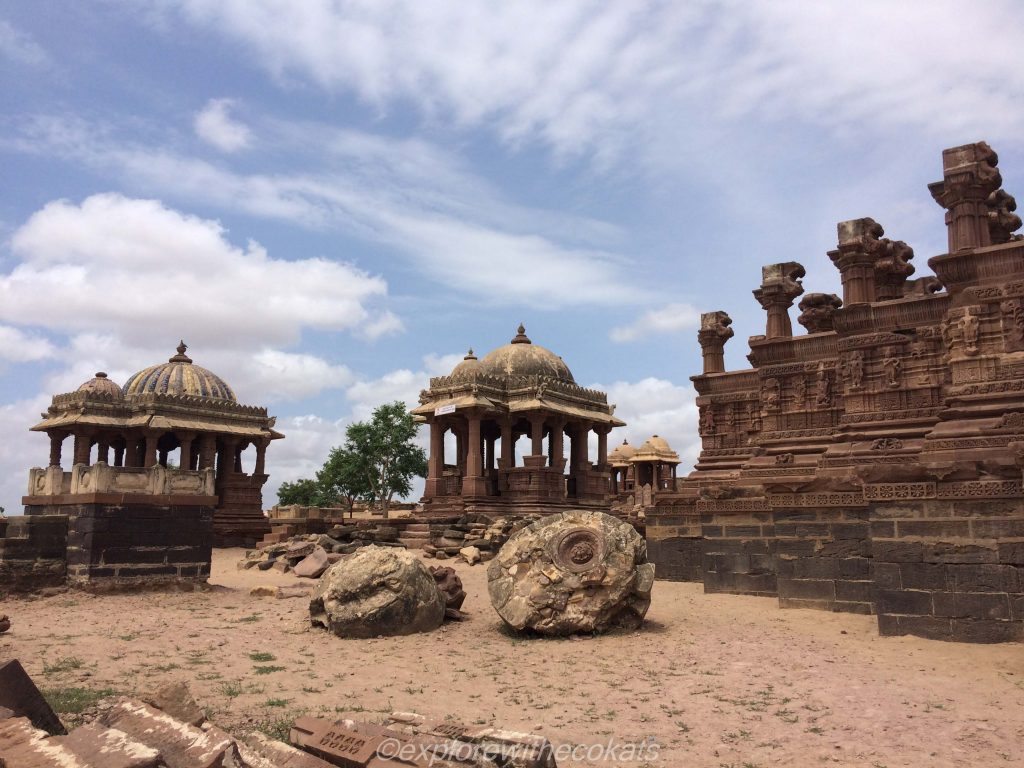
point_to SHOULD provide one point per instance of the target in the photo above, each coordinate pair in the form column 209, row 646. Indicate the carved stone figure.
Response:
column 770, row 394
column 893, row 368
column 800, row 393
column 573, row 572
column 855, row 369
column 707, row 420
column 969, row 327
column 822, row 388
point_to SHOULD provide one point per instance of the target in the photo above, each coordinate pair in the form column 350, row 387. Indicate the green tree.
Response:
column 384, row 455
column 342, row 477
column 304, row 492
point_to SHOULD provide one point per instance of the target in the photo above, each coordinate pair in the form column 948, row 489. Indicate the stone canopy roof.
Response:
column 518, row 377
column 172, row 396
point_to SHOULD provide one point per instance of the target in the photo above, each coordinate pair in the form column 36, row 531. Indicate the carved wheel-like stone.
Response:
column 577, row 571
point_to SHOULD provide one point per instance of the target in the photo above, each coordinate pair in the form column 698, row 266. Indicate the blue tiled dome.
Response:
column 178, row 376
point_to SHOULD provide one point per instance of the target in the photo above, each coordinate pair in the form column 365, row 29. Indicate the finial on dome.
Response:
column 181, row 357
column 470, row 355
column 100, row 375
column 521, row 337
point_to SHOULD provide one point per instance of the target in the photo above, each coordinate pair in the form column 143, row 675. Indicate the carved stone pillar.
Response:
column 226, row 456
column 473, row 483
column 714, row 332
column 149, row 458
column 103, row 449
column 969, row 177
column 818, row 311
column 602, row 446
column 185, row 458
column 537, row 434
column 261, row 456
column 780, row 285
column 238, row 456
column 557, row 443
column 855, row 258
column 83, row 444
column 56, row 444
column 207, row 451
column 508, row 446
column 119, row 453
column 435, row 461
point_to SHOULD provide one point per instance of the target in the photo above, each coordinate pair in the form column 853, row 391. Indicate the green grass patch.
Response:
column 267, row 670
column 276, row 702
column 65, row 664
column 262, row 656
column 72, row 701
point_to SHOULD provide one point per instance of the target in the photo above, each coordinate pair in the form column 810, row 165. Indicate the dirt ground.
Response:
column 714, row 680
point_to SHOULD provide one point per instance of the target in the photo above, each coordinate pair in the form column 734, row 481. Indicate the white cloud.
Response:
column 20, row 449
column 215, row 126
column 412, row 198
column 19, row 46
column 142, row 271
column 668, row 319
column 654, row 406
column 19, row 347
column 603, row 78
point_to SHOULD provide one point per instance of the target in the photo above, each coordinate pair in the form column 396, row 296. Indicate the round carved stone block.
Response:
column 377, row 591
column 576, row 571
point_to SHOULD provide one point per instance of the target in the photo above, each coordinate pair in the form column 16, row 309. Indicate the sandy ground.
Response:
column 715, row 680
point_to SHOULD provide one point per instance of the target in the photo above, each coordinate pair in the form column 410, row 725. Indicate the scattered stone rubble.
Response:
column 170, row 730
column 309, row 555
column 378, row 591
column 474, row 538
column 450, row 584
column 576, row 571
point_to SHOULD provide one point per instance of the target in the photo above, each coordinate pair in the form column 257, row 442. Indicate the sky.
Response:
column 331, row 200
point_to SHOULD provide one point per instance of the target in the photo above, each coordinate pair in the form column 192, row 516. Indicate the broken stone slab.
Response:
column 277, row 754
column 281, row 592
column 176, row 700
column 577, row 571
column 470, row 554
column 96, row 745
column 179, row 743
column 377, row 591
column 313, row 565
column 19, row 694
column 23, row 746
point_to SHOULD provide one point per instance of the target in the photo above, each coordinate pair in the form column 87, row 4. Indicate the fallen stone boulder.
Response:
column 451, row 586
column 313, row 565
column 5, row 623
column 377, row 591
column 576, row 571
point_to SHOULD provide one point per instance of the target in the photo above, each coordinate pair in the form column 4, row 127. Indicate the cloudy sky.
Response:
column 331, row 200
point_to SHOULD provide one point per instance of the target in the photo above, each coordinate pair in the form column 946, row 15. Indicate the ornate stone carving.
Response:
column 770, row 394
column 1002, row 221
column 887, row 444
column 822, row 388
column 1013, row 324
column 970, row 176
column 852, row 369
column 707, row 420
column 892, row 268
column 817, row 311
column 714, row 332
column 872, row 268
column 893, row 368
column 780, row 285
column 894, row 491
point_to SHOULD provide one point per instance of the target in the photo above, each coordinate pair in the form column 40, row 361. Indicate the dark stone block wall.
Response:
column 32, row 553
column 739, row 552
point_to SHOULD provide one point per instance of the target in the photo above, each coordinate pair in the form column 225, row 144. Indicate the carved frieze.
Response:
column 817, row 499
column 897, row 491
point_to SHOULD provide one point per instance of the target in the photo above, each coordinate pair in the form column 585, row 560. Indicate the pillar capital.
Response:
column 871, row 267
column 780, row 285
column 817, row 311
column 969, row 176
column 714, row 332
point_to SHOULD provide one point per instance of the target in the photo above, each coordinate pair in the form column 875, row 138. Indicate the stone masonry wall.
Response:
column 32, row 553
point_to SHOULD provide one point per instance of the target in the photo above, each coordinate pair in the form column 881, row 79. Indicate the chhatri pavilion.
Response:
column 488, row 404
column 174, row 430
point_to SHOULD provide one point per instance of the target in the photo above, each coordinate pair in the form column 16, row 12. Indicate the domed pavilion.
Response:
column 169, row 442
column 489, row 403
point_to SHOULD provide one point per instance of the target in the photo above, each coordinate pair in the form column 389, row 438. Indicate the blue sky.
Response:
column 331, row 201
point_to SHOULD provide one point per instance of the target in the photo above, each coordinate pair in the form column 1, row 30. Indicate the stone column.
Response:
column 508, row 446
column 83, row 443
column 227, row 455
column 969, row 177
column 56, row 444
column 714, row 332
column 149, row 458
column 261, row 456
column 119, row 452
column 537, row 433
column 207, row 451
column 602, row 446
column 780, row 285
column 855, row 258
column 473, row 483
column 238, row 457
column 185, row 456
column 435, row 460
column 103, row 449
column 557, row 445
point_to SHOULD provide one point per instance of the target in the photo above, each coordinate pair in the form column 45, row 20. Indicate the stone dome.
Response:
column 101, row 385
column 656, row 449
column 521, row 357
column 468, row 366
column 622, row 454
column 178, row 376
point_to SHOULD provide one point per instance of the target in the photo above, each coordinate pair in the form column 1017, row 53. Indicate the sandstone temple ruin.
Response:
column 874, row 463
column 518, row 389
column 155, row 479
